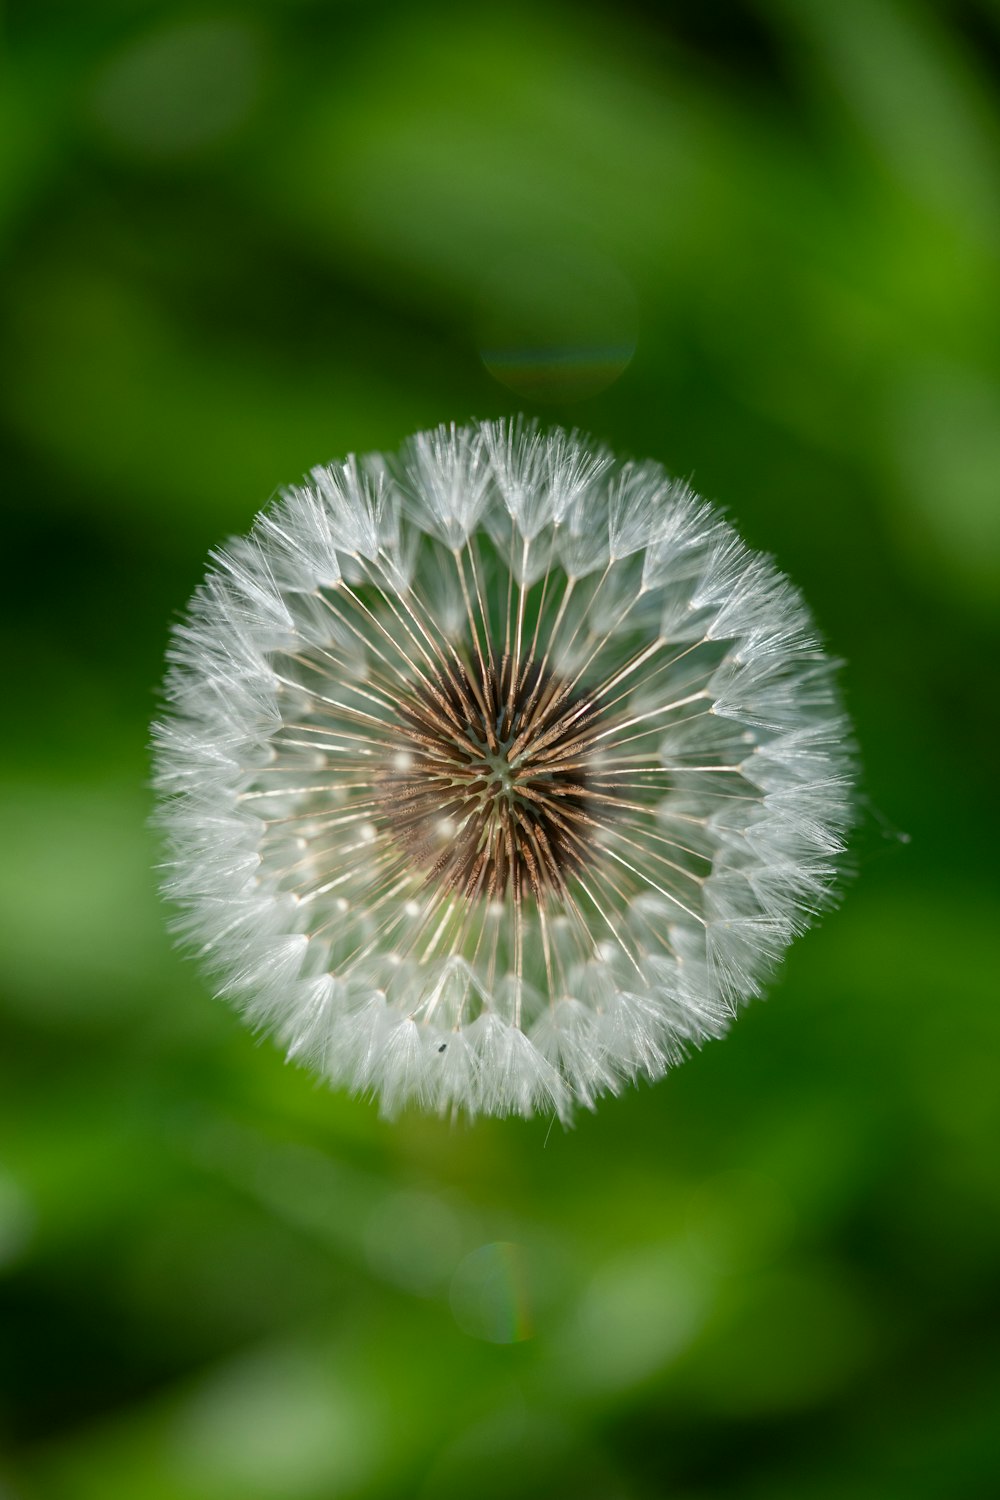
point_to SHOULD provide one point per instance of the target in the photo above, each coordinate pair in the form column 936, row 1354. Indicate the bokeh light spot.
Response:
column 490, row 1294
column 279, row 1423
column 638, row 1314
column 557, row 324
column 179, row 88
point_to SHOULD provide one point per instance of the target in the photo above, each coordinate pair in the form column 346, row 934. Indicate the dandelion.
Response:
column 497, row 773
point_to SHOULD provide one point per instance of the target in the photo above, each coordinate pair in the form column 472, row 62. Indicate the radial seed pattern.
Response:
column 488, row 788
column 497, row 774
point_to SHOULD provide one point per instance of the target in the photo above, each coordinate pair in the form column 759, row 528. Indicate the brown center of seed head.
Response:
column 488, row 782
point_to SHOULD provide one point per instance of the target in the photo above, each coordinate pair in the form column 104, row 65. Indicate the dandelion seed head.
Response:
column 497, row 773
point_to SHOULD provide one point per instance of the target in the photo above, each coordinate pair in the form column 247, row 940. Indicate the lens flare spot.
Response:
column 490, row 1295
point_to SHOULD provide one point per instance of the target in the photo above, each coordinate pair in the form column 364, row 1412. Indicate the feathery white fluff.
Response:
column 708, row 813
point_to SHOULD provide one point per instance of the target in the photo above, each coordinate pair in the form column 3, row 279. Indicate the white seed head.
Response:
column 496, row 773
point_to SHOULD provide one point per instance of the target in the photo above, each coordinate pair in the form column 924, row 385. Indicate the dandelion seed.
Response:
column 496, row 774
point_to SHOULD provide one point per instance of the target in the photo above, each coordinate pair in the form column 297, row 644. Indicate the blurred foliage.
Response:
column 759, row 242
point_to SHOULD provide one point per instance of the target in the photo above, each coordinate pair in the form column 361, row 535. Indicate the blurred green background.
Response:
column 759, row 242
